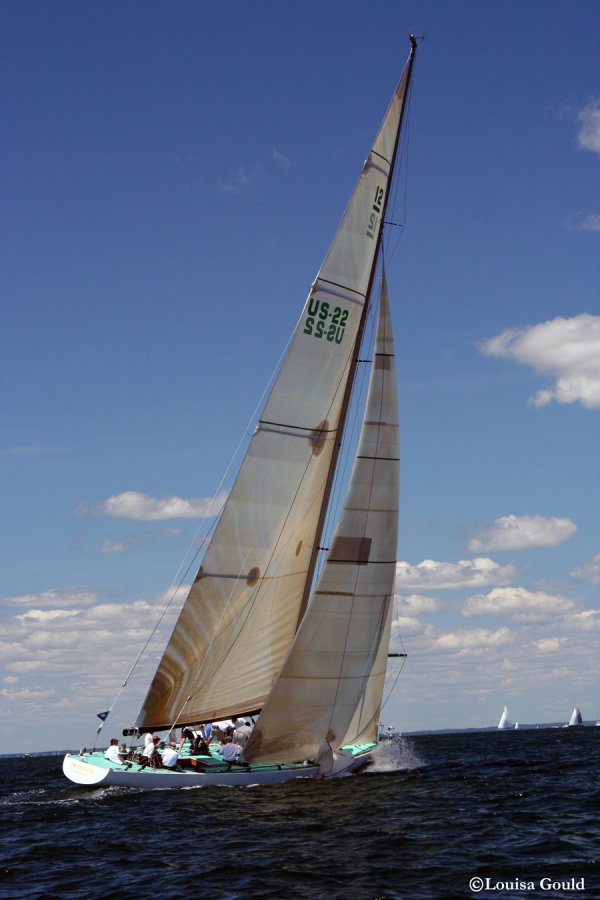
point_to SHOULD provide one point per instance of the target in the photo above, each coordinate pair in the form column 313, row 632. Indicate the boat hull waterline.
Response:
column 93, row 770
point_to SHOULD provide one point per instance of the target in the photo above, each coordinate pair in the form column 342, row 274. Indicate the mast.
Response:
column 356, row 350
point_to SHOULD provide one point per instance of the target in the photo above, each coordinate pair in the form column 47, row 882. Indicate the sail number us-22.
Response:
column 324, row 322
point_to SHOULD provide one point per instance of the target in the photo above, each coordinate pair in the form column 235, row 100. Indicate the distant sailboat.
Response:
column 575, row 719
column 516, row 726
column 504, row 720
column 260, row 636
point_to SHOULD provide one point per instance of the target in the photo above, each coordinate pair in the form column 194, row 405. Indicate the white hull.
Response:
column 84, row 770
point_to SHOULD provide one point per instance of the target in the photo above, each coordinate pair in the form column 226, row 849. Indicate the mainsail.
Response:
column 242, row 612
column 332, row 680
column 576, row 717
column 504, row 721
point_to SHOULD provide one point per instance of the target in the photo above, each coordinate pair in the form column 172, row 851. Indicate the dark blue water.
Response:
column 441, row 809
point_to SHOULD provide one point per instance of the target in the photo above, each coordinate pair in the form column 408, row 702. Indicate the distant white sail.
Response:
column 576, row 718
column 504, row 720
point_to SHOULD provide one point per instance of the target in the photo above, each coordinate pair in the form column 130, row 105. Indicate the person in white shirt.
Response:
column 150, row 755
column 170, row 757
column 242, row 732
column 112, row 753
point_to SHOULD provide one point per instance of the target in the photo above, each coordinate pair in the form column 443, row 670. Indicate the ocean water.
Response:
column 519, row 810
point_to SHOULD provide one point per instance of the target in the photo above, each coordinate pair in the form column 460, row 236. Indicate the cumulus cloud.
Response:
column 41, row 616
column 568, row 350
column 404, row 625
column 474, row 639
column 588, row 136
column 522, row 533
column 413, row 604
column 522, row 605
column 134, row 505
column 466, row 573
column 61, row 642
column 22, row 694
column 585, row 620
column 588, row 570
column 63, row 597
column 548, row 645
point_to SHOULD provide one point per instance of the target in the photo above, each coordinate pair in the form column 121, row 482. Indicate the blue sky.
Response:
column 172, row 176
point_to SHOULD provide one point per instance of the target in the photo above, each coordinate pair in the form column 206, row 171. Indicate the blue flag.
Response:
column 104, row 715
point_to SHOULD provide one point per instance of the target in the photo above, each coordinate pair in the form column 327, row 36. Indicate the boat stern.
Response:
column 81, row 772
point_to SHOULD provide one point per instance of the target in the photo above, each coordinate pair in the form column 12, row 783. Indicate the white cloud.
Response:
column 586, row 620
column 466, row 573
column 112, row 546
column 280, row 160
column 404, row 625
column 59, row 644
column 21, row 694
column 474, row 639
column 413, row 604
column 41, row 616
column 521, row 604
column 588, row 137
column 548, row 645
column 134, row 505
column 64, row 597
column 588, row 570
column 237, row 182
column 566, row 349
column 522, row 533
column 586, row 222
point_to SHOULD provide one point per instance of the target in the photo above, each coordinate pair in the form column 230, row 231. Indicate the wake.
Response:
column 393, row 755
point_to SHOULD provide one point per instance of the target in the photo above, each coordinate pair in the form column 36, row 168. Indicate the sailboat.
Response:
column 575, row 719
column 504, row 720
column 276, row 629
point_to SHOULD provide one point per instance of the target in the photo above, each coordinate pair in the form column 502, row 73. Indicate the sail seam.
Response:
column 356, row 562
column 382, row 458
column 325, row 290
column 310, row 429
column 381, row 156
column 344, row 287
column 289, row 574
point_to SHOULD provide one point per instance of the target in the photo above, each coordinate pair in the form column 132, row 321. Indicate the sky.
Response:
column 172, row 175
